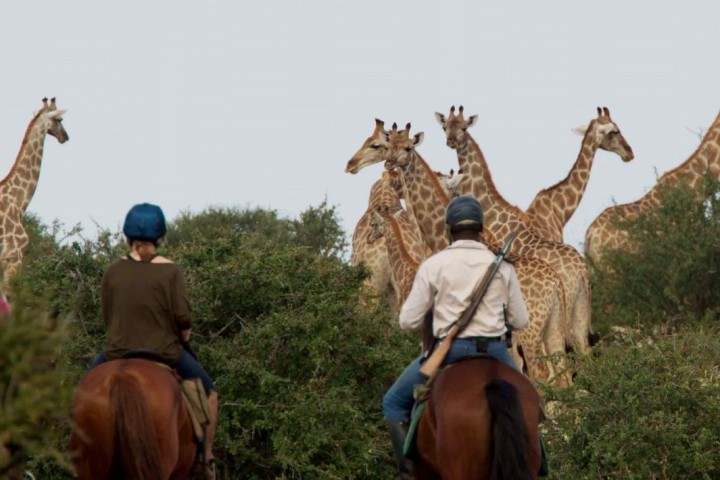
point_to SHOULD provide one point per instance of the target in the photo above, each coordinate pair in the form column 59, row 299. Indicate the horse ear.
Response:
column 418, row 139
column 472, row 120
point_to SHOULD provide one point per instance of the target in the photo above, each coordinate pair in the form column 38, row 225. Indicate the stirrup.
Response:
column 204, row 470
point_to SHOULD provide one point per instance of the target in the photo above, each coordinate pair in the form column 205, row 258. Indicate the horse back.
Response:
column 455, row 435
column 95, row 446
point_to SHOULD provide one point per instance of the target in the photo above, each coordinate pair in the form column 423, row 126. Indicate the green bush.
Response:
column 671, row 274
column 34, row 397
column 300, row 354
column 642, row 408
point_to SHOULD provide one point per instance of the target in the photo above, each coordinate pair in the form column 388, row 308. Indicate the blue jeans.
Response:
column 398, row 400
column 186, row 366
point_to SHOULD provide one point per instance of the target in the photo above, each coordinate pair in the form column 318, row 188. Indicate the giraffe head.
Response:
column 455, row 126
column 607, row 135
column 400, row 146
column 377, row 226
column 51, row 119
column 372, row 151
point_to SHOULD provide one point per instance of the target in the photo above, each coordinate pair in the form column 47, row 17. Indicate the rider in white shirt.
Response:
column 444, row 283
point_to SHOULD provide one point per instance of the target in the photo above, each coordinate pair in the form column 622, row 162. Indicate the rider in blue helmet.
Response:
column 146, row 308
column 444, row 284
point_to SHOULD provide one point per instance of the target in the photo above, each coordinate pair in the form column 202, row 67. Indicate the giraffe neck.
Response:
column 427, row 199
column 402, row 263
column 472, row 163
column 558, row 203
column 705, row 159
column 501, row 217
column 19, row 185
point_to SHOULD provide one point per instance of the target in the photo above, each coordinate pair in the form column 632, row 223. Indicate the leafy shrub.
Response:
column 671, row 274
column 643, row 408
column 33, row 395
column 299, row 352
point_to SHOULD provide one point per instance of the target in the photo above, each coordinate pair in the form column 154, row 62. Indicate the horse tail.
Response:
column 509, row 432
column 136, row 448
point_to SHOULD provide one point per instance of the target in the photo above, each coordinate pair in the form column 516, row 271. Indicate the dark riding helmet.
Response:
column 145, row 222
column 464, row 213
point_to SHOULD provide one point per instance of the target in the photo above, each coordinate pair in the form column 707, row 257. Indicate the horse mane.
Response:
column 136, row 451
column 509, row 450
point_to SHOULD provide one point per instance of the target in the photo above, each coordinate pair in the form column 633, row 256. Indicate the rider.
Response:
column 146, row 308
column 445, row 282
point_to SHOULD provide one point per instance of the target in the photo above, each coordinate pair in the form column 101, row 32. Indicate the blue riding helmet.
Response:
column 464, row 213
column 146, row 222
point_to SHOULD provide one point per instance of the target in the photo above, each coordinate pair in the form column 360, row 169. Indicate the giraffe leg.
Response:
column 554, row 340
column 581, row 323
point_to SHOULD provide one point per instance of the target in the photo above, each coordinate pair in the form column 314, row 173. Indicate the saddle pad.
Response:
column 198, row 408
column 417, row 412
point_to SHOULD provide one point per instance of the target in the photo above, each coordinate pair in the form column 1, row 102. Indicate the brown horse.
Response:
column 130, row 421
column 481, row 422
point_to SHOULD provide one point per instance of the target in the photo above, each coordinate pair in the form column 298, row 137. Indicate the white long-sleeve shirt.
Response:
column 447, row 280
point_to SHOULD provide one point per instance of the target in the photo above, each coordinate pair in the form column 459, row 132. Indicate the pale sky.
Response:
column 198, row 103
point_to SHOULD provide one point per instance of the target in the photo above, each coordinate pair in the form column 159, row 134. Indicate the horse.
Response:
column 130, row 421
column 480, row 422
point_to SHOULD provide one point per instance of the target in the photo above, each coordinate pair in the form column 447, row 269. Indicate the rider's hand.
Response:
column 185, row 334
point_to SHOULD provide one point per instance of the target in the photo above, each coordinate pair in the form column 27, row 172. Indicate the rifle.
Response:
column 436, row 358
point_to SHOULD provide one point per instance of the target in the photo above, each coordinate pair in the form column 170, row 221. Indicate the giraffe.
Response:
column 374, row 254
column 384, row 197
column 501, row 218
column 18, row 187
column 604, row 233
column 541, row 286
column 406, row 248
column 552, row 207
column 374, row 150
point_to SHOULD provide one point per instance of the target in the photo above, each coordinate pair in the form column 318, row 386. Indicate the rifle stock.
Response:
column 438, row 355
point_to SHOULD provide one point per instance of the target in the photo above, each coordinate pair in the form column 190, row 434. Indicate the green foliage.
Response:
column 310, row 359
column 317, row 228
column 33, row 394
column 643, row 408
column 300, row 355
column 671, row 275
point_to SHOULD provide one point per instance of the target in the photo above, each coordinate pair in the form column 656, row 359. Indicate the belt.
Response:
column 501, row 338
column 481, row 343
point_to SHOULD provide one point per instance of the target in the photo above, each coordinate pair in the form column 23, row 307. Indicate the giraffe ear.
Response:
column 418, row 139
column 472, row 121
column 57, row 113
column 440, row 118
column 581, row 130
